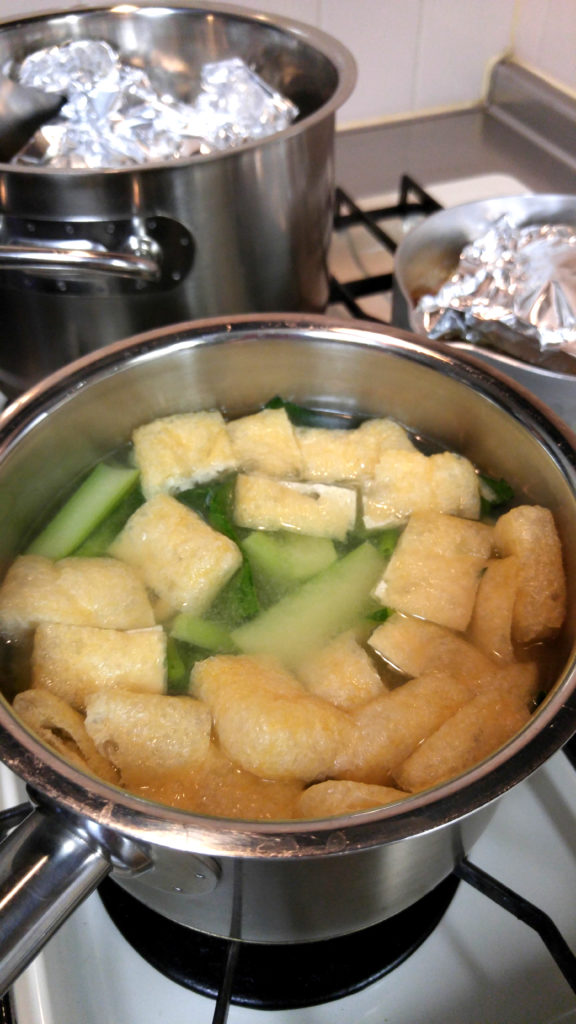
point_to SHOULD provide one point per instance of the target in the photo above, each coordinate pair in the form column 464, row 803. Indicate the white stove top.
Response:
column 480, row 965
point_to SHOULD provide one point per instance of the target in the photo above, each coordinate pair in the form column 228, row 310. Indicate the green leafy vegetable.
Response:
column 386, row 541
column 215, row 503
column 494, row 494
column 180, row 659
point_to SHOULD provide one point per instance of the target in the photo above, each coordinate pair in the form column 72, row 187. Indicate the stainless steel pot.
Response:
column 88, row 257
column 427, row 256
column 262, row 881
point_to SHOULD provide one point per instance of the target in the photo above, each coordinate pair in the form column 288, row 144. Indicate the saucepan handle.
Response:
column 47, row 867
column 44, row 258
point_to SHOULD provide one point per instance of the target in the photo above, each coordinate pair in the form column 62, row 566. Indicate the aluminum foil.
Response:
column 514, row 289
column 114, row 117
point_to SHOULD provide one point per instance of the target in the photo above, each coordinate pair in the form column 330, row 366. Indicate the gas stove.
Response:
column 483, row 960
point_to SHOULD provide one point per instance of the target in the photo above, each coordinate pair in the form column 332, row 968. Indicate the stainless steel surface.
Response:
column 253, row 224
column 46, row 869
column 531, row 106
column 377, row 862
column 429, row 253
column 516, row 132
column 62, row 261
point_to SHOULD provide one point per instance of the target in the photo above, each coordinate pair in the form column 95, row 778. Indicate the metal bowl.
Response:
column 427, row 256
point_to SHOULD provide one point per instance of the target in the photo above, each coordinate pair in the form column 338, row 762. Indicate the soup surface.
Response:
column 277, row 618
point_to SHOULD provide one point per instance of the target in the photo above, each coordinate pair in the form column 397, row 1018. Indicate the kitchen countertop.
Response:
column 525, row 130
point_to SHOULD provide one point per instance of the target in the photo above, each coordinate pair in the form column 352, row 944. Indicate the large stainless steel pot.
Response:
column 262, row 881
column 88, row 257
column 428, row 255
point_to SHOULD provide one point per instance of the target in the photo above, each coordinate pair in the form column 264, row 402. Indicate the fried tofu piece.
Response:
column 62, row 728
column 148, row 735
column 266, row 443
column 75, row 661
column 493, row 615
column 179, row 451
column 342, row 673
column 340, row 796
column 436, row 567
column 182, row 559
column 262, row 503
column 80, row 591
column 266, row 722
column 529, row 532
column 334, row 456
column 415, row 646
column 409, row 481
column 473, row 733
column 389, row 728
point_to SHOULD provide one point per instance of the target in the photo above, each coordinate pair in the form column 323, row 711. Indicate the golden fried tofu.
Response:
column 262, row 503
column 389, row 728
column 529, row 532
column 62, row 728
column 334, row 456
column 179, row 556
column 474, row 732
column 342, row 672
column 148, row 735
column 80, row 591
column 493, row 615
column 415, row 646
column 266, row 722
column 179, row 451
column 409, row 481
column 341, row 796
column 436, row 567
column 75, row 661
column 266, row 443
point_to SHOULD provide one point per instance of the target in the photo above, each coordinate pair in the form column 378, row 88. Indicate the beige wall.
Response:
column 418, row 56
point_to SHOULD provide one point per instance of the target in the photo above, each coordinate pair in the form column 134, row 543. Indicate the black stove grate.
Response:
column 412, row 201
column 274, row 976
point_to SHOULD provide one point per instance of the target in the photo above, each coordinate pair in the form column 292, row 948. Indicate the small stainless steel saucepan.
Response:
column 256, row 880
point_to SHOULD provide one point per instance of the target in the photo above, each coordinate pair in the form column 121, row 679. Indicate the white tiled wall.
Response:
column 417, row 56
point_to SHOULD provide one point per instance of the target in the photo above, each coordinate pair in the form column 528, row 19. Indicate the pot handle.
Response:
column 46, row 258
column 47, row 867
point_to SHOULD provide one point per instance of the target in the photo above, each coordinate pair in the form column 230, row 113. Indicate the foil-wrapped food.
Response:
column 513, row 289
column 113, row 116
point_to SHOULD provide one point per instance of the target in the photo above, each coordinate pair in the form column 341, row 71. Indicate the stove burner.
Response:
column 276, row 977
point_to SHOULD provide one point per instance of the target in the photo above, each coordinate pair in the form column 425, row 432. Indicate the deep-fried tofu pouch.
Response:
column 80, row 591
column 75, row 661
column 148, row 734
column 529, row 532
column 266, row 722
column 179, row 451
column 474, row 732
column 389, row 728
column 414, row 647
column 63, row 729
column 180, row 557
column 340, row 796
column 341, row 455
column 265, row 442
column 342, row 672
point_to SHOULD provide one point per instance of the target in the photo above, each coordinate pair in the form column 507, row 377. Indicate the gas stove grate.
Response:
column 413, row 200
